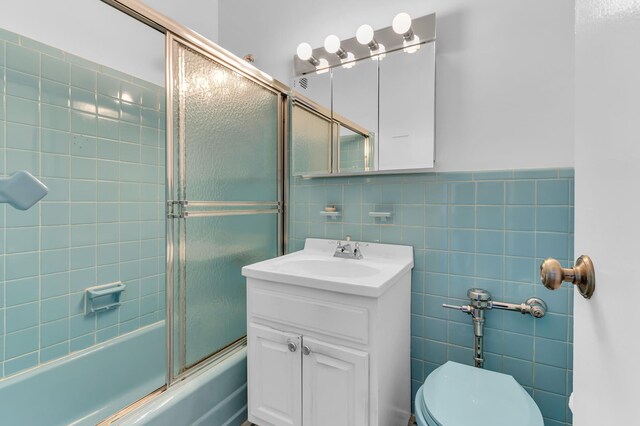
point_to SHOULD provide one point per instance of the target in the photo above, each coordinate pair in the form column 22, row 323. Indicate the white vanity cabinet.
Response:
column 324, row 355
column 289, row 371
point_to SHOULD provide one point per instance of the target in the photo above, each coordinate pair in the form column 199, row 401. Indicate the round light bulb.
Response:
column 332, row 43
column 304, row 51
column 401, row 23
column 364, row 35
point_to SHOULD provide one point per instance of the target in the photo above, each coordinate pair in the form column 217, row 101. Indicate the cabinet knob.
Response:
column 306, row 350
column 292, row 346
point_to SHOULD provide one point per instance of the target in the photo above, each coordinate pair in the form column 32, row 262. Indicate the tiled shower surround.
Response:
column 96, row 138
column 489, row 230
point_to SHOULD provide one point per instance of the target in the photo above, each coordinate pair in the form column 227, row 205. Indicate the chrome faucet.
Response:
column 345, row 250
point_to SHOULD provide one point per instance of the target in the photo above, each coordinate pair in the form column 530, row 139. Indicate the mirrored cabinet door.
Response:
column 407, row 110
column 375, row 116
column 311, row 126
column 311, row 135
column 355, row 110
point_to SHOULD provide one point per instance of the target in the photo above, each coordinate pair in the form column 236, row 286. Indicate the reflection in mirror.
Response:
column 355, row 105
column 377, row 110
column 310, row 140
column 407, row 109
column 315, row 89
column 355, row 151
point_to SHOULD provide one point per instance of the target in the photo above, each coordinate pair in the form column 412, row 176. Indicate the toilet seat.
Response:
column 456, row 394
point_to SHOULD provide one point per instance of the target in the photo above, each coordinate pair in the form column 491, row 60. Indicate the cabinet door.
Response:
column 335, row 382
column 274, row 367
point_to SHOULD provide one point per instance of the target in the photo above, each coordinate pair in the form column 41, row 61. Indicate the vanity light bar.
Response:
column 368, row 43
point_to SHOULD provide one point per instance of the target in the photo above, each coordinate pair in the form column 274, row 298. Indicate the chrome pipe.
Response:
column 510, row 306
column 480, row 301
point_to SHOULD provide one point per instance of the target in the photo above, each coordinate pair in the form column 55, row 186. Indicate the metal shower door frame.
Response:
column 173, row 31
column 176, row 209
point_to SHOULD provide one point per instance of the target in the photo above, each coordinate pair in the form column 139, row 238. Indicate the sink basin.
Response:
column 315, row 266
column 328, row 268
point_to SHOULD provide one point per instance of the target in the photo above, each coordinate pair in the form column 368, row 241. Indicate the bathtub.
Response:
column 215, row 396
column 88, row 386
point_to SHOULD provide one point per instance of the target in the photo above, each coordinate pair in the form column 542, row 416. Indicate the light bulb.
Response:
column 349, row 61
column 379, row 53
column 332, row 43
column 323, row 66
column 364, row 35
column 401, row 23
column 304, row 51
column 412, row 46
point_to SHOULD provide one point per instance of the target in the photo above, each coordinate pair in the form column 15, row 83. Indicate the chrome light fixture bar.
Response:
column 406, row 34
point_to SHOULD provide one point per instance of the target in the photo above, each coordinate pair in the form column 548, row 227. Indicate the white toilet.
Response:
column 456, row 395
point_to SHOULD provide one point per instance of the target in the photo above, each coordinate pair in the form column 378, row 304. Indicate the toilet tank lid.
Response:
column 456, row 394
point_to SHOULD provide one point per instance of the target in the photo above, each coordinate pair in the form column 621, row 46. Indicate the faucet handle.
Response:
column 463, row 308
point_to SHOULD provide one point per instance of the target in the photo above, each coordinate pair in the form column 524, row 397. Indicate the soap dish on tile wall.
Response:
column 333, row 214
column 383, row 216
column 21, row 190
column 102, row 297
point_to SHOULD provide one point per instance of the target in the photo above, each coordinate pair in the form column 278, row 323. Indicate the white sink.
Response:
column 316, row 267
column 327, row 268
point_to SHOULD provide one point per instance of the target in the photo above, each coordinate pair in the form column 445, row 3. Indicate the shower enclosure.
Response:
column 225, row 196
column 126, row 277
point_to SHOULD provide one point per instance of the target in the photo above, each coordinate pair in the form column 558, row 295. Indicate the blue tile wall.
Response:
column 487, row 229
column 96, row 138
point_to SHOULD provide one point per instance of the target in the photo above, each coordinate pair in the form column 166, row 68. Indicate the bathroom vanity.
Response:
column 329, row 337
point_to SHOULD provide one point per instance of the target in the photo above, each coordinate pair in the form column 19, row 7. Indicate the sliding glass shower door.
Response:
column 226, row 195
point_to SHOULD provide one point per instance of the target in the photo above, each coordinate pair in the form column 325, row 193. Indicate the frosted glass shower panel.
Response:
column 230, row 129
column 227, row 161
column 217, row 248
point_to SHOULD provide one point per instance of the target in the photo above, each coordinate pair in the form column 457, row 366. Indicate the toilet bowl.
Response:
column 455, row 395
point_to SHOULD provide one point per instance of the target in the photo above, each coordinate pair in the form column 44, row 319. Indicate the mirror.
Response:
column 311, row 126
column 311, row 140
column 355, row 105
column 407, row 110
column 377, row 116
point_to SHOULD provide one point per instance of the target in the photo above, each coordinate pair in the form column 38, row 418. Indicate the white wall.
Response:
column 90, row 29
column 504, row 68
column 199, row 15
column 98, row 32
column 607, row 153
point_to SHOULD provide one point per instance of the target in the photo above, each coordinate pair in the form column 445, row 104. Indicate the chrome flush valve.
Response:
column 480, row 301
